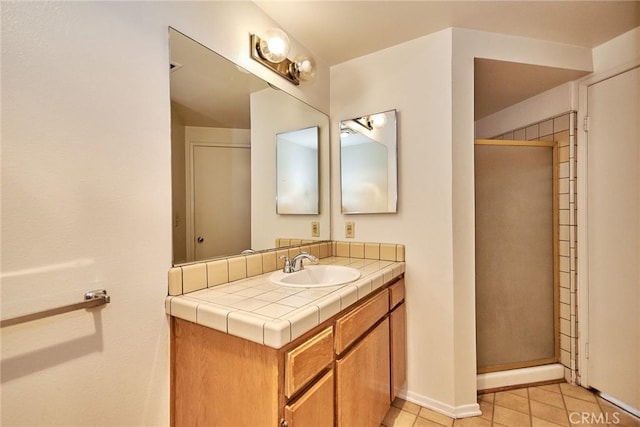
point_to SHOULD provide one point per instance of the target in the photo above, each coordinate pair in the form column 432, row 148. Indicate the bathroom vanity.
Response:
column 341, row 365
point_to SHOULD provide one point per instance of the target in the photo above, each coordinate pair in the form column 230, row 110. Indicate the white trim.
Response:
column 520, row 376
column 582, row 218
column 462, row 411
column 620, row 404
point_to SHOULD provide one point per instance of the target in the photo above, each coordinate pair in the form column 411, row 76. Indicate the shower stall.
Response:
column 517, row 262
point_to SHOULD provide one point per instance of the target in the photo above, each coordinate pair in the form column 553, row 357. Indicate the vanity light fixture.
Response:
column 272, row 50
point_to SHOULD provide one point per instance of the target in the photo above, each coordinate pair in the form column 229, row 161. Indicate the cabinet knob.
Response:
column 283, row 423
column 200, row 239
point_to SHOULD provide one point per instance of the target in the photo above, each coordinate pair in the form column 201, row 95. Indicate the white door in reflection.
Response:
column 221, row 200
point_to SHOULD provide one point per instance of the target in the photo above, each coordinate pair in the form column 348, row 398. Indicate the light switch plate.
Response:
column 315, row 229
column 350, row 230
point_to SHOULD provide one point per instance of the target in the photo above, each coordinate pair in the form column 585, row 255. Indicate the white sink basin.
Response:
column 315, row 276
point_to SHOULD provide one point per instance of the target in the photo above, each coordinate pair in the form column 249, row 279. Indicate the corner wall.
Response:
column 420, row 91
column 433, row 93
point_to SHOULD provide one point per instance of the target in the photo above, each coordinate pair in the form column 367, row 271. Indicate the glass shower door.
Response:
column 517, row 319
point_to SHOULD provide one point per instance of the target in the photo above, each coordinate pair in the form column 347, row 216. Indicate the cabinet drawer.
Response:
column 304, row 362
column 314, row 407
column 396, row 293
column 351, row 326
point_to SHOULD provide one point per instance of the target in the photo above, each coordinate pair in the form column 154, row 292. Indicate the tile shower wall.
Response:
column 562, row 129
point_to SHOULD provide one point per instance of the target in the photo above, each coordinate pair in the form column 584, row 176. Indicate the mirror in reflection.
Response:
column 297, row 172
column 224, row 122
column 369, row 164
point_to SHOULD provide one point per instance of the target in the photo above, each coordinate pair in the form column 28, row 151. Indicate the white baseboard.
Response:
column 462, row 411
column 514, row 377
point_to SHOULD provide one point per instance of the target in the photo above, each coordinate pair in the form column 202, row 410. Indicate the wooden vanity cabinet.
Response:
column 362, row 380
column 314, row 407
column 363, row 364
column 398, row 337
column 341, row 373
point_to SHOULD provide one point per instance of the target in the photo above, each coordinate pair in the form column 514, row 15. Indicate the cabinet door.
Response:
column 313, row 408
column 363, row 381
column 398, row 319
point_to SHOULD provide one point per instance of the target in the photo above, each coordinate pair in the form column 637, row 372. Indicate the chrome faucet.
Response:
column 296, row 263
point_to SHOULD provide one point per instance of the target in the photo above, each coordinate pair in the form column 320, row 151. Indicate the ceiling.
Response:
column 337, row 31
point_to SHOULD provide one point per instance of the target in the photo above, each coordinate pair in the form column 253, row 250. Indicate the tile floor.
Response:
column 548, row 405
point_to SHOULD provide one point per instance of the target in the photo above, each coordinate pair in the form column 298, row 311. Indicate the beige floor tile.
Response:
column 550, row 398
column 625, row 419
column 577, row 392
column 522, row 392
column 398, row 418
column 538, row 422
column 583, row 423
column 617, row 416
column 406, row 406
column 551, row 387
column 472, row 422
column 435, row 416
column 512, row 401
column 549, row 413
column 487, row 397
column 578, row 405
column 510, row 418
column 487, row 410
column 423, row 422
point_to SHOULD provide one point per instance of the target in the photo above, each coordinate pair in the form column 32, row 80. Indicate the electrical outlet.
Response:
column 350, row 230
column 315, row 229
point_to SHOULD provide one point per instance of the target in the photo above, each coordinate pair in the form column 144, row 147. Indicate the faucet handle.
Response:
column 287, row 264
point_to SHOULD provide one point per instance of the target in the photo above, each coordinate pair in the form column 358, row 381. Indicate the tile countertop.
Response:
column 259, row 311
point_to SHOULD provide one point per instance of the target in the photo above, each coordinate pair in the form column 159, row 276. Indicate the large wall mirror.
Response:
column 369, row 164
column 224, row 128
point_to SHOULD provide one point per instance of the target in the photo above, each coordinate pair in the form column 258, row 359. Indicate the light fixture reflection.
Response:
column 378, row 120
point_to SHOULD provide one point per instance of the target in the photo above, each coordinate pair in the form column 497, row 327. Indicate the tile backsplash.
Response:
column 201, row 275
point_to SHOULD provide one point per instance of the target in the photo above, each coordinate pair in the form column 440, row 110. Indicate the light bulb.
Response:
column 274, row 45
column 378, row 120
column 306, row 67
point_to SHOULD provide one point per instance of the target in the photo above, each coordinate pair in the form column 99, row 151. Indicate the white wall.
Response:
column 433, row 92
column 548, row 104
column 469, row 44
column 266, row 224
column 86, row 199
column 420, row 90
column 620, row 53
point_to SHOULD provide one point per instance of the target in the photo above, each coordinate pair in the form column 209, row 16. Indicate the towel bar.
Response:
column 91, row 299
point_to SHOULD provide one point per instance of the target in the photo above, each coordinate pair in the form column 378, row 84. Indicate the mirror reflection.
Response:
column 224, row 122
column 297, row 172
column 369, row 164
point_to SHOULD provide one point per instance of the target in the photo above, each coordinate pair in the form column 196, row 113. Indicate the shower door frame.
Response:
column 556, row 255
